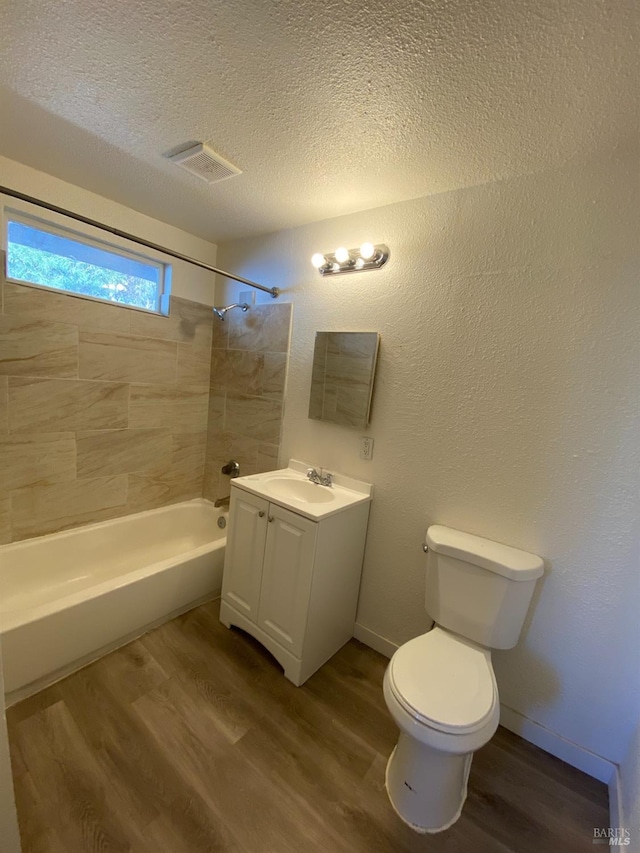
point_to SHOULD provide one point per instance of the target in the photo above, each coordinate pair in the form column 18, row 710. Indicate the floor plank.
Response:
column 78, row 802
column 190, row 740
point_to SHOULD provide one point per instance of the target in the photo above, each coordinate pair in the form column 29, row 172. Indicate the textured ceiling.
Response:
column 328, row 107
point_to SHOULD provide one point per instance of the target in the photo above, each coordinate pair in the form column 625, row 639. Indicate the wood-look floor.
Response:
column 191, row 740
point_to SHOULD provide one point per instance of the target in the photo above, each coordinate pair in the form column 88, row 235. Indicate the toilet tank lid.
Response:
column 494, row 556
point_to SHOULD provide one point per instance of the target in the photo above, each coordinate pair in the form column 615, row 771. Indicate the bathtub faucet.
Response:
column 232, row 470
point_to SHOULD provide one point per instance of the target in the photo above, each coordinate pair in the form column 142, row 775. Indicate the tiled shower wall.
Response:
column 248, row 372
column 103, row 410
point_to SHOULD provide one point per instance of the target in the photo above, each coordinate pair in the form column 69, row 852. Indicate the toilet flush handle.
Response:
column 425, row 547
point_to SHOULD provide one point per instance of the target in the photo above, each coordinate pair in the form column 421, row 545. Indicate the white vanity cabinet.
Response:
column 292, row 582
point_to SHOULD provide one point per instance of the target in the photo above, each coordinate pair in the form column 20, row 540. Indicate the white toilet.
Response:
column 440, row 687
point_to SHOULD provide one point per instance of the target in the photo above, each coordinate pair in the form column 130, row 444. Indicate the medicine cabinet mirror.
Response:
column 344, row 366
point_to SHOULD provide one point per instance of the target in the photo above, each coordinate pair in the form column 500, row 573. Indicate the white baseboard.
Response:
column 573, row 754
column 616, row 816
column 374, row 641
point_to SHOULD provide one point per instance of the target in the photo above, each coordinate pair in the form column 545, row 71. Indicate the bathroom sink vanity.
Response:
column 293, row 564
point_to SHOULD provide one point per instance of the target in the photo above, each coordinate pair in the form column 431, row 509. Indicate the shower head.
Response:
column 220, row 312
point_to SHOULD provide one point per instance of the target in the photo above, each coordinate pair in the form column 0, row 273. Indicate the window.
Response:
column 48, row 255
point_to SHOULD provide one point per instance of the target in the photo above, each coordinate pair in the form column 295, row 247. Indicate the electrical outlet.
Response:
column 366, row 448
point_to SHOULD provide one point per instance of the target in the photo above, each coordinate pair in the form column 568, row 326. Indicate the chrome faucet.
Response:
column 232, row 470
column 319, row 478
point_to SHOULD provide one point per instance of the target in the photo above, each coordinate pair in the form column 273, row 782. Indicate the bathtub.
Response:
column 67, row 598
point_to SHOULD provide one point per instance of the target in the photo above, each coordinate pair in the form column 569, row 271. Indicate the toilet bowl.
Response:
column 442, row 694
column 440, row 687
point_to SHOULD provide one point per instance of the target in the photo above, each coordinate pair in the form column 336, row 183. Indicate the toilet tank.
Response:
column 478, row 588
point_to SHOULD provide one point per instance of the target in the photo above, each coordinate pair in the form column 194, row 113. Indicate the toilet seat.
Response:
column 444, row 682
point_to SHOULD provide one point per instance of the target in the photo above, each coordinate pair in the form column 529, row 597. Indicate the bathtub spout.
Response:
column 223, row 502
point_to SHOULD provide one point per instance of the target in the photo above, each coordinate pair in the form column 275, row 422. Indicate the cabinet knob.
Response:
column 270, row 518
column 261, row 514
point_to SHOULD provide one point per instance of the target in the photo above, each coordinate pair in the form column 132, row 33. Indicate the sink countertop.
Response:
column 290, row 488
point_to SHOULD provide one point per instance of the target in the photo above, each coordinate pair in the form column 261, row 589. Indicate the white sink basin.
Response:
column 290, row 488
column 299, row 490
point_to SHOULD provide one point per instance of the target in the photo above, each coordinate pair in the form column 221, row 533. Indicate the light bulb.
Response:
column 359, row 263
column 318, row 260
column 342, row 254
column 367, row 250
column 335, row 267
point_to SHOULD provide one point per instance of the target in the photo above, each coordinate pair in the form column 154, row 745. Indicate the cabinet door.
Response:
column 286, row 577
column 245, row 552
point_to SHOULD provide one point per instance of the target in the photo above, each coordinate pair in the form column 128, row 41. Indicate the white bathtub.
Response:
column 68, row 597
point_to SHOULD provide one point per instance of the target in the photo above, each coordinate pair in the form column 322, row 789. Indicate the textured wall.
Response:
column 103, row 410
column 248, row 374
column 506, row 404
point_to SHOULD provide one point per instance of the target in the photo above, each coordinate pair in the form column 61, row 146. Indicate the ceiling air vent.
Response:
column 203, row 162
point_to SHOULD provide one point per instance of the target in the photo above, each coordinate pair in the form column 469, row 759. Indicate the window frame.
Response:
column 15, row 210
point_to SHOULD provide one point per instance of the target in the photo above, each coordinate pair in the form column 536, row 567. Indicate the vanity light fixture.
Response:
column 367, row 257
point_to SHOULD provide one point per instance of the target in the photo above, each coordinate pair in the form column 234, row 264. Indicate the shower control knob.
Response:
column 261, row 514
column 270, row 518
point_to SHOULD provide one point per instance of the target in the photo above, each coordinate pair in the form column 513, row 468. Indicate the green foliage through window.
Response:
column 46, row 258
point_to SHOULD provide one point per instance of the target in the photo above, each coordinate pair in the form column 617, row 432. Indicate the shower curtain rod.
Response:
column 274, row 291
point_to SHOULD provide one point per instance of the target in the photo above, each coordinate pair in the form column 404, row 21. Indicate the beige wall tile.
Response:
column 37, row 347
column 4, row 405
column 253, row 417
column 188, row 322
column 126, row 358
column 226, row 445
column 180, row 408
column 221, row 447
column 188, row 455
column 218, row 366
column 267, row 459
column 181, row 480
column 237, row 370
column 210, row 485
column 264, row 328
column 48, row 305
column 274, row 374
column 5, row 519
column 123, row 451
column 217, row 400
column 220, row 333
column 194, row 365
column 148, row 491
column 249, row 363
column 59, row 405
column 36, row 460
column 46, row 509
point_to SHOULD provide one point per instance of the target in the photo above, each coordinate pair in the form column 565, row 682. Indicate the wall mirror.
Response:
column 344, row 365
